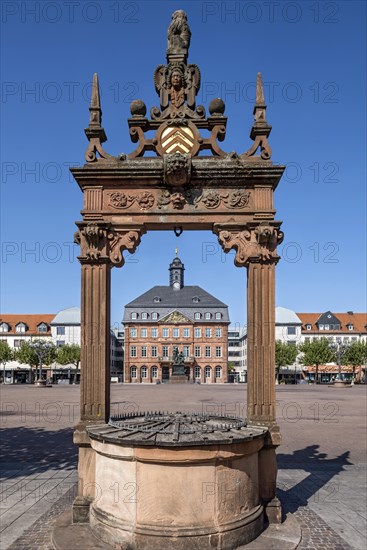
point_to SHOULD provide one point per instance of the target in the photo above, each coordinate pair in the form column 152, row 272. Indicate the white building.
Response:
column 61, row 329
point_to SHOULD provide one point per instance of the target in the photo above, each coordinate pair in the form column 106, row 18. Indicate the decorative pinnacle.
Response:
column 260, row 101
column 95, row 129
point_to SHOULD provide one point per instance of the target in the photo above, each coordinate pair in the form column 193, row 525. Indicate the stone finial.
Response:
column 95, row 133
column 261, row 129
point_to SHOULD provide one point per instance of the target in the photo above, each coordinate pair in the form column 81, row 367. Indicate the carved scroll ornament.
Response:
column 251, row 244
column 101, row 244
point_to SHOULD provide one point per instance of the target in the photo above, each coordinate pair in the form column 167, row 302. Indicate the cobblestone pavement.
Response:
column 322, row 459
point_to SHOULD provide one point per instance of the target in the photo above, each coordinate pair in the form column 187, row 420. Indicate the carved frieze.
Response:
column 238, row 198
column 121, row 200
column 252, row 244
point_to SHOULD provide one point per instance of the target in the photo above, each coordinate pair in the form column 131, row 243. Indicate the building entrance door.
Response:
column 165, row 374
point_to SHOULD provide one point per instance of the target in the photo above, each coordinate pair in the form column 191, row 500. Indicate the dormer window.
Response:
column 327, row 327
column 156, row 299
column 321, row 327
column 42, row 327
column 134, row 315
column 218, row 315
column 154, row 315
column 20, row 327
column 308, row 327
column 4, row 327
column 208, row 316
column 350, row 326
column 144, row 315
column 197, row 315
column 196, row 299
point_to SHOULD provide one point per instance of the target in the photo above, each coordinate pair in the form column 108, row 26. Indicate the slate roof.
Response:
column 172, row 300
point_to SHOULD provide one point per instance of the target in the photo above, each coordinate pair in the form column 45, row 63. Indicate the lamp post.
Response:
column 41, row 348
column 339, row 348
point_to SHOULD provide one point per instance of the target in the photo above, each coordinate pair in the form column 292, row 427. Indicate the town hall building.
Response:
column 176, row 320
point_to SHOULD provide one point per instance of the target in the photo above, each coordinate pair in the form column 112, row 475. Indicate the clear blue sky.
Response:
column 312, row 56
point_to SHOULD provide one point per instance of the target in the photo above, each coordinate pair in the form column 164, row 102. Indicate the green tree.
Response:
column 28, row 356
column 355, row 355
column 316, row 353
column 6, row 354
column 69, row 354
column 285, row 354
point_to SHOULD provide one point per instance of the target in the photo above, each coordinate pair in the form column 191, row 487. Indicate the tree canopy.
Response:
column 315, row 353
column 68, row 354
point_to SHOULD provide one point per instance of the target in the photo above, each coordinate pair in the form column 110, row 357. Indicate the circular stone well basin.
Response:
column 176, row 480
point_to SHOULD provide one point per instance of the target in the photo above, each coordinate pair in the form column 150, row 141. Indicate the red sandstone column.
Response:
column 261, row 342
column 95, row 343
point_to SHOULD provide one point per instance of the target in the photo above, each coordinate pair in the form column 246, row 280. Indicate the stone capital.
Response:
column 102, row 244
column 252, row 243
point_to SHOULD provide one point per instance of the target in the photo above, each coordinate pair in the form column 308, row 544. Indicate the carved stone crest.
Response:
column 177, row 169
column 176, row 317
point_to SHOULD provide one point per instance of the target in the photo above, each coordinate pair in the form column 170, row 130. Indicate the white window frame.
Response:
column 144, row 315
column 176, row 332
column 154, row 351
column 133, row 372
column 186, row 332
column 197, row 351
column 154, row 372
column 165, row 332
column 134, row 315
column 144, row 372
column 218, row 369
column 208, row 351
column 218, row 351
column 206, row 371
column 197, row 332
column 197, row 315
column 208, row 316
column 133, row 332
column 197, row 373
column 165, row 351
column 144, row 332
column 208, row 332
column 144, row 351
column 154, row 315
column 218, row 332
column 218, row 315
column 186, row 351
column 154, row 333
column 133, row 352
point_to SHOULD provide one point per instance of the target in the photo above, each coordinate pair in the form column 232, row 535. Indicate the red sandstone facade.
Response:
column 149, row 359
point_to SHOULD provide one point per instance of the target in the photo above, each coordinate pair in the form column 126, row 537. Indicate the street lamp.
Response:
column 42, row 348
column 340, row 348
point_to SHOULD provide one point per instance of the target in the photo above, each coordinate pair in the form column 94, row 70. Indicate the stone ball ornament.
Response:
column 138, row 108
column 217, row 106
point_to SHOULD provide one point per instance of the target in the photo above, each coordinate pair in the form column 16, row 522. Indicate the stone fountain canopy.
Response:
column 177, row 177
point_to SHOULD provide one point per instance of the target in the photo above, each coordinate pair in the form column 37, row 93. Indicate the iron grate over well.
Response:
column 174, row 429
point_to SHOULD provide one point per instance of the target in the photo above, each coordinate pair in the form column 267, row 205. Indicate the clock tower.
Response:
column 176, row 274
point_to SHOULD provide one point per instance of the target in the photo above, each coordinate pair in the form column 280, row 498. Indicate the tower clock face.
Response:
column 176, row 285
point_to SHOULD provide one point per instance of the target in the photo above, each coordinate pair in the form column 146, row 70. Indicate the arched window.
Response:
column 155, row 315
column 218, row 372
column 208, row 372
column 218, row 315
column 134, row 315
column 208, row 315
column 133, row 372
column 197, row 315
column 154, row 372
column 144, row 315
column 144, row 372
